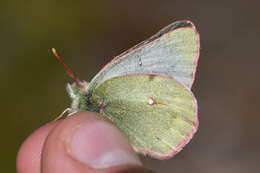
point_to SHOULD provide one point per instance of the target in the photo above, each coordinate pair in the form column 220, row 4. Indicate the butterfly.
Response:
column 146, row 91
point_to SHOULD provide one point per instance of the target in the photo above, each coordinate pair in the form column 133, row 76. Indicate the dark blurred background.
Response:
column 88, row 34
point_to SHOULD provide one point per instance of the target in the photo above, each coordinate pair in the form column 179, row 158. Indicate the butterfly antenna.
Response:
column 68, row 70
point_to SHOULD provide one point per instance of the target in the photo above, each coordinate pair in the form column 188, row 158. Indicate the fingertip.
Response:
column 29, row 155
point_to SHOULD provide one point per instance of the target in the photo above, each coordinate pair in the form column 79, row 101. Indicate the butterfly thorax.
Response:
column 80, row 97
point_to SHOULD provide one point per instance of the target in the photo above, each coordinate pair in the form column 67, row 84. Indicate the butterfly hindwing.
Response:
column 157, row 114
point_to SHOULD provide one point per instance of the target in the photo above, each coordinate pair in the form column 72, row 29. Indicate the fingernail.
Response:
column 100, row 145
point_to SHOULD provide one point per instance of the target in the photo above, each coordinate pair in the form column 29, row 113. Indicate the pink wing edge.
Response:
column 189, row 135
column 196, row 59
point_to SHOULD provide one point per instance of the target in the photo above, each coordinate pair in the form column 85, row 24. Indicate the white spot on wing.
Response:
column 150, row 101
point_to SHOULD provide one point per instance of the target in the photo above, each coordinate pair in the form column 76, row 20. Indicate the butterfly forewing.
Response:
column 172, row 52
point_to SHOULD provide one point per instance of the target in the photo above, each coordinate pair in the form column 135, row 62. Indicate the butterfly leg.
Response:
column 102, row 107
column 61, row 115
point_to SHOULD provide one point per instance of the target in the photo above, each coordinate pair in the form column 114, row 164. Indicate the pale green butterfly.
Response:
column 145, row 91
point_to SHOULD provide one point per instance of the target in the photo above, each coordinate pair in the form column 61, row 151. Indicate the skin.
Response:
column 62, row 147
